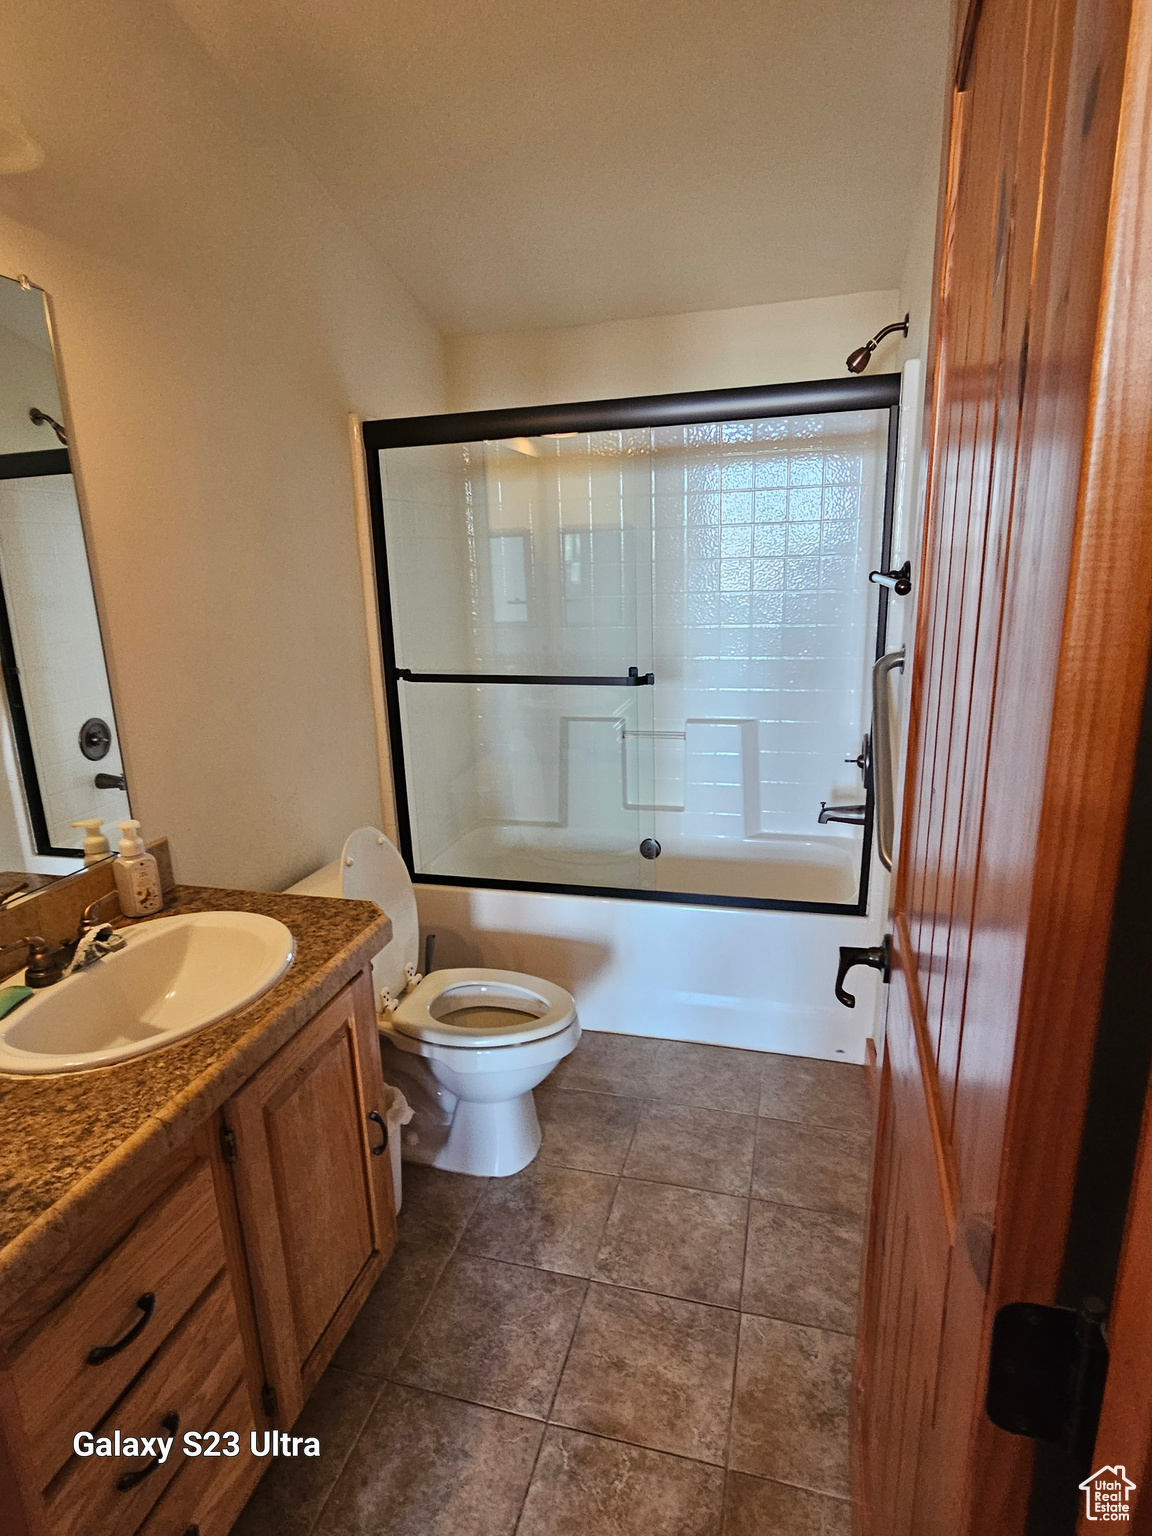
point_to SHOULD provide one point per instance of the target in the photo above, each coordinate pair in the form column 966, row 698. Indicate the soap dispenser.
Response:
column 96, row 846
column 137, row 877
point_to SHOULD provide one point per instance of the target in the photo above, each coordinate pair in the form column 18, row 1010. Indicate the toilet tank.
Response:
column 321, row 882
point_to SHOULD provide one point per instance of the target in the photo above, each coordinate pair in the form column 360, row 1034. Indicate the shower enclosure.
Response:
column 627, row 644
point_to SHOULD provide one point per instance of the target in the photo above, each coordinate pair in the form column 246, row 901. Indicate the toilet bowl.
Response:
column 465, row 1045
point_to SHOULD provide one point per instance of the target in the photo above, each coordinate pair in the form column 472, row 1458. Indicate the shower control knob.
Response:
column 95, row 739
column 650, row 848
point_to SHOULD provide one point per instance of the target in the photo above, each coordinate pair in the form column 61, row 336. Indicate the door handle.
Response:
column 878, row 957
column 378, row 1119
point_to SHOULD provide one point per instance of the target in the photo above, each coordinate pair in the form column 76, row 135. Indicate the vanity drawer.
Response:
column 210, row 1492
column 172, row 1253
column 193, row 1374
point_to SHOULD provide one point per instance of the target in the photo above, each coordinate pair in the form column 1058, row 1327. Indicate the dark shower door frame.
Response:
column 28, row 466
column 693, row 408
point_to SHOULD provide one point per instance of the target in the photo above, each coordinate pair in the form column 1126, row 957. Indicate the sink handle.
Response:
column 102, row 1352
column 379, row 1120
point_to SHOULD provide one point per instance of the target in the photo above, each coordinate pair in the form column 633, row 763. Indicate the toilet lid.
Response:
column 472, row 1006
column 372, row 870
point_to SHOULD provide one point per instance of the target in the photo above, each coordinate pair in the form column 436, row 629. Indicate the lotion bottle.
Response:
column 96, row 847
column 137, row 877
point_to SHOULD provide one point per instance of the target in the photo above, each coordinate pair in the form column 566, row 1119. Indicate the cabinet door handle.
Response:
column 379, row 1119
column 129, row 1480
column 102, row 1352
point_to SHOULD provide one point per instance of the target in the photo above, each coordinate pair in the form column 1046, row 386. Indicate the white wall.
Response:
column 715, row 349
column 217, row 319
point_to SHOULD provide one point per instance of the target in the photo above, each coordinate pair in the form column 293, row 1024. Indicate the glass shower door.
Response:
column 518, row 592
column 638, row 657
column 765, row 628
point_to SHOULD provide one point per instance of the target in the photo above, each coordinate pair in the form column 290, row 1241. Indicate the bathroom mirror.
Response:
column 58, row 741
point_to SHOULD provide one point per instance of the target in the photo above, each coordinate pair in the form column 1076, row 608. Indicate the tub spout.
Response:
column 854, row 815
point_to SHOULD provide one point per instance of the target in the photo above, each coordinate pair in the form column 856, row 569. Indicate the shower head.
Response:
column 857, row 361
column 40, row 418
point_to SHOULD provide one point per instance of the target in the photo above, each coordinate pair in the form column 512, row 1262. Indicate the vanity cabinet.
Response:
column 145, row 1330
column 211, row 1298
column 314, row 1185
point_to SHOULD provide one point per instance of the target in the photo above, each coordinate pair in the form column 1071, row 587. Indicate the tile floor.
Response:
column 647, row 1332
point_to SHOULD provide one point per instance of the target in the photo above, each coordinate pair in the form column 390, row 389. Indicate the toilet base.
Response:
column 491, row 1140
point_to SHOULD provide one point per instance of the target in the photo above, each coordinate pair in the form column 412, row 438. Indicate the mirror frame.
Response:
column 22, row 465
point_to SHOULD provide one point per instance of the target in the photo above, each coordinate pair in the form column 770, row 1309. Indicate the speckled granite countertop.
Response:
column 70, row 1144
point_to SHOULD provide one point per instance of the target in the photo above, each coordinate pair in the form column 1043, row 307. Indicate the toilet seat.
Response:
column 522, row 1009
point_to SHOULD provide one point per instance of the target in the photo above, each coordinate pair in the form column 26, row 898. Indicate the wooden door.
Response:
column 314, row 1188
column 1125, row 1435
column 1031, row 652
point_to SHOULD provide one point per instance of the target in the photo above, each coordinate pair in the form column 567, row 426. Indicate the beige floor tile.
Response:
column 292, row 1492
column 552, row 1218
column 707, row 1077
column 495, row 1334
column 605, row 1063
column 790, row 1416
column 590, row 1131
column 802, row 1266
column 652, row 1371
column 754, row 1507
column 585, row 1486
column 829, row 1093
column 809, row 1166
column 707, row 1149
column 428, row 1465
column 681, row 1242
column 377, row 1337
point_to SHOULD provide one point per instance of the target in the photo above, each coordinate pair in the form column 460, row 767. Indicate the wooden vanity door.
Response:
column 315, row 1191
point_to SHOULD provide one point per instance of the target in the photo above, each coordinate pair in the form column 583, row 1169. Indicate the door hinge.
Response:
column 268, row 1399
column 228, row 1144
column 1046, row 1372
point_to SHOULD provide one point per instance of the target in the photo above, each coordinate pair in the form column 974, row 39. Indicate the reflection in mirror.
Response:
column 58, row 744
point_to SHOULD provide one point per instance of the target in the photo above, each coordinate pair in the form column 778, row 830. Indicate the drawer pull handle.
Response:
column 102, row 1352
column 379, row 1119
column 129, row 1480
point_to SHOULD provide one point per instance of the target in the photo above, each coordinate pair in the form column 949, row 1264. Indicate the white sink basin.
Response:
column 174, row 976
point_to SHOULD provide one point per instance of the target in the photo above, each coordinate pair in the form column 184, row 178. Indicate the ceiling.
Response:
column 522, row 165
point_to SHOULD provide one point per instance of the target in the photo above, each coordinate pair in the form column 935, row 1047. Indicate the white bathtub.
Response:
column 760, row 980
column 782, row 868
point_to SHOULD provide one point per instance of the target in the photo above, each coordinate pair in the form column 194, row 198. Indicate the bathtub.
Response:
column 754, row 979
column 782, row 868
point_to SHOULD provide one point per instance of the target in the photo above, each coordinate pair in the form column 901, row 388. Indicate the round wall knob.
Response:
column 650, row 848
column 95, row 739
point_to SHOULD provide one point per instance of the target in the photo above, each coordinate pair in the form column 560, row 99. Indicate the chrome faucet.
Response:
column 853, row 815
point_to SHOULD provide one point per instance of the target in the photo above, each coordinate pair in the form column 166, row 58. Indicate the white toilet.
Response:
column 465, row 1046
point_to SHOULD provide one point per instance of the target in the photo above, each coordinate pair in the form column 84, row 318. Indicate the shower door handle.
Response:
column 635, row 679
column 883, row 766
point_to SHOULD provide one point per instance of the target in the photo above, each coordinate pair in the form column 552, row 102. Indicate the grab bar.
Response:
column 883, row 766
